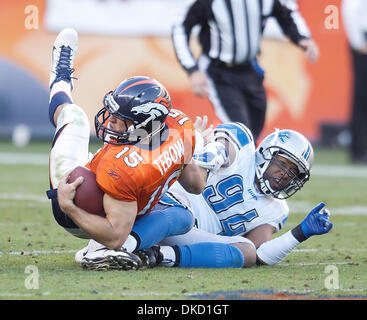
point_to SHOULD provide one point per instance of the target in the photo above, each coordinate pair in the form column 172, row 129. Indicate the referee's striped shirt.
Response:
column 231, row 30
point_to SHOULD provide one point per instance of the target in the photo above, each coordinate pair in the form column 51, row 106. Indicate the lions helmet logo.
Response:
column 283, row 136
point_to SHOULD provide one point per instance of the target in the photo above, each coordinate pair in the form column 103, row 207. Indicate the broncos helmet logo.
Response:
column 155, row 110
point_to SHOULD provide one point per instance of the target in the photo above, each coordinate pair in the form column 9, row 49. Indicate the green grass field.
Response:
column 31, row 244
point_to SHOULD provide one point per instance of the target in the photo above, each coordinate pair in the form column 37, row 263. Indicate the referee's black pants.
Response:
column 358, row 125
column 241, row 93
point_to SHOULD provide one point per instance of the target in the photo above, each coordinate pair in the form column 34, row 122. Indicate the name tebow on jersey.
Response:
column 144, row 173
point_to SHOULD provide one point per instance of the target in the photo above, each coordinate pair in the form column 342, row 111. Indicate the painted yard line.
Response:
column 304, row 264
column 24, row 196
column 340, row 224
column 35, row 159
column 37, row 252
column 22, row 224
column 41, row 159
column 330, row 250
column 294, row 206
column 304, row 206
column 339, row 171
column 287, row 225
column 51, row 252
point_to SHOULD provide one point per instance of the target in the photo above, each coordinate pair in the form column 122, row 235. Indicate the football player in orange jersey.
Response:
column 148, row 146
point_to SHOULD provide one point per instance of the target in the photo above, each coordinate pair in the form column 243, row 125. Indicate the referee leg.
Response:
column 226, row 97
column 255, row 94
column 359, row 110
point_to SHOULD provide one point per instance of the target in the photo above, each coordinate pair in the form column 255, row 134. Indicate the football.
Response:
column 89, row 195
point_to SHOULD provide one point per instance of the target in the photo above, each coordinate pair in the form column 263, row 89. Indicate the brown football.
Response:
column 89, row 195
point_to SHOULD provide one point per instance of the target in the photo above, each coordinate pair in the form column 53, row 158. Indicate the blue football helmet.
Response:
column 143, row 101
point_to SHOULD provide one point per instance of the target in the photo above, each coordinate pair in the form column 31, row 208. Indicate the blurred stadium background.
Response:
column 120, row 38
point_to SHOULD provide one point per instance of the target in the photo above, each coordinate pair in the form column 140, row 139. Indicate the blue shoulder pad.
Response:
column 235, row 132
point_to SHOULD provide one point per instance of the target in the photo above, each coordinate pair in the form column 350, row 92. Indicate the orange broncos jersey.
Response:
column 136, row 173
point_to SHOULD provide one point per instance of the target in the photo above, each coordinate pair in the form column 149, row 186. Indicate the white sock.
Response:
column 169, row 256
column 61, row 86
column 130, row 244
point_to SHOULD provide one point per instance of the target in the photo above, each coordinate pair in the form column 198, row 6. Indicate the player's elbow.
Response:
column 193, row 178
column 196, row 187
column 115, row 242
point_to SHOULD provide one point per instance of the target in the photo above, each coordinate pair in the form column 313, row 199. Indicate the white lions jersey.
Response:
column 231, row 203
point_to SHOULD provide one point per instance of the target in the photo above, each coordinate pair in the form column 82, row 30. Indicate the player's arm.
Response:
column 227, row 141
column 294, row 26
column 193, row 178
column 111, row 230
column 261, row 234
column 274, row 250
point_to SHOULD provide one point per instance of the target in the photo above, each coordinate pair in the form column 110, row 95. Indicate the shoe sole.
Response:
column 144, row 259
column 110, row 263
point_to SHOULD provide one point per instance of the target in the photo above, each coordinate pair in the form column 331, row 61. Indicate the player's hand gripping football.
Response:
column 66, row 192
column 317, row 221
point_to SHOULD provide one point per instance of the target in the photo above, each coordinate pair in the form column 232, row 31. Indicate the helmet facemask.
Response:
column 275, row 176
column 134, row 133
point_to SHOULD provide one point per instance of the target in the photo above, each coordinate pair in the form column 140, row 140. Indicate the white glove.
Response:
column 212, row 156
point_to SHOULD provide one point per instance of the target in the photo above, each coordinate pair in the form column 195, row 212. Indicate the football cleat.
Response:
column 80, row 254
column 63, row 52
column 317, row 221
column 104, row 259
column 151, row 257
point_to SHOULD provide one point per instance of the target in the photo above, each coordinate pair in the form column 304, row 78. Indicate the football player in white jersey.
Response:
column 243, row 203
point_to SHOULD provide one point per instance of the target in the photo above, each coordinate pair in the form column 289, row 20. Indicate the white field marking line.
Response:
column 37, row 252
column 287, row 225
column 24, row 196
column 304, row 206
column 339, row 224
column 339, row 171
column 308, row 291
column 294, row 206
column 40, row 159
column 329, row 250
column 14, row 158
column 305, row 264
column 21, row 224
column 4, row 294
column 51, row 252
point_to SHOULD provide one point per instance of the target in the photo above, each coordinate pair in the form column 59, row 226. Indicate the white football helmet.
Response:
column 290, row 145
